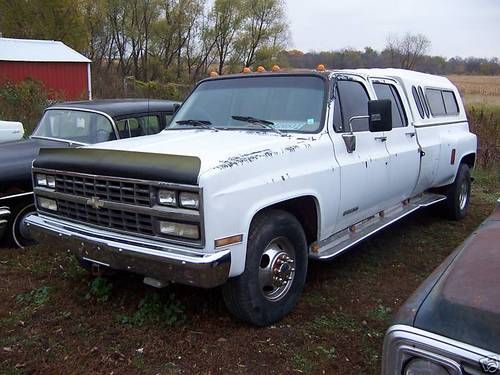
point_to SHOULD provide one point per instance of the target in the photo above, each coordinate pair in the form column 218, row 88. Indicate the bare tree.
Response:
column 406, row 51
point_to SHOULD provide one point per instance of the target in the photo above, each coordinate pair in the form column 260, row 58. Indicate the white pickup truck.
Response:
column 257, row 174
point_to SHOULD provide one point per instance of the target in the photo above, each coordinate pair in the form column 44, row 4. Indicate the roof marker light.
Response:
column 320, row 68
column 261, row 69
column 276, row 68
column 213, row 73
column 247, row 70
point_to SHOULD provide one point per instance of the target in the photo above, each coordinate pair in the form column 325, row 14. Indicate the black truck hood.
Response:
column 15, row 163
column 461, row 299
column 117, row 163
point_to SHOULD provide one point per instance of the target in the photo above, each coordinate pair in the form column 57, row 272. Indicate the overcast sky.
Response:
column 455, row 27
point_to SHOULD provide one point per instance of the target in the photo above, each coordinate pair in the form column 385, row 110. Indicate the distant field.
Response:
column 478, row 89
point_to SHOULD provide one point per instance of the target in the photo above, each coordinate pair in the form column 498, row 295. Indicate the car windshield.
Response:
column 290, row 103
column 75, row 126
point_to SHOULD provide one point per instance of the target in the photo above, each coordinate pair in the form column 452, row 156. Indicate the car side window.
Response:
column 450, row 102
column 138, row 126
column 351, row 100
column 388, row 91
column 436, row 102
column 150, row 124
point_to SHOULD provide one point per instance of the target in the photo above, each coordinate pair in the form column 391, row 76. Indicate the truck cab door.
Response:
column 364, row 171
column 401, row 142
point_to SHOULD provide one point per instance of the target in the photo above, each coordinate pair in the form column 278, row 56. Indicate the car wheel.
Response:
column 275, row 270
column 458, row 195
column 19, row 234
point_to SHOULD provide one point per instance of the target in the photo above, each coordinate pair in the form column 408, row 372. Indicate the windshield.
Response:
column 76, row 126
column 286, row 103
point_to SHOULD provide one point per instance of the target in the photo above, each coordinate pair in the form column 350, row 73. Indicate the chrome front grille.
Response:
column 112, row 190
column 110, row 218
column 120, row 204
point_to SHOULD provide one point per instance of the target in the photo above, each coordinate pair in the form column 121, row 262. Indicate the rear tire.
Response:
column 458, row 194
column 275, row 270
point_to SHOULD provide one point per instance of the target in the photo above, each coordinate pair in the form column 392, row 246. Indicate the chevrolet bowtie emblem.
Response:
column 95, row 203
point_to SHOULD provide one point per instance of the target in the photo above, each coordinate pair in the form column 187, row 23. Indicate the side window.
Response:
column 450, row 102
column 435, row 102
column 418, row 102
column 137, row 126
column 353, row 100
column 424, row 101
column 150, row 124
column 128, row 127
column 168, row 119
column 387, row 91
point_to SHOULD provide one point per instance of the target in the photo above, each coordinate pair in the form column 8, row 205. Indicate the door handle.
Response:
column 381, row 139
column 410, row 134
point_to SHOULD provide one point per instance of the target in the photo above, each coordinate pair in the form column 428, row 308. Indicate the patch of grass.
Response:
column 381, row 313
column 335, row 322
column 100, row 289
column 301, row 363
column 487, row 184
column 329, row 353
column 155, row 309
column 37, row 297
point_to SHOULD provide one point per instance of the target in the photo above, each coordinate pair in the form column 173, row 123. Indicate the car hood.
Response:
column 464, row 303
column 219, row 149
column 16, row 158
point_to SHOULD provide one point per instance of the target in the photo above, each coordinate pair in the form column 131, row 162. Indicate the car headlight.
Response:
column 189, row 200
column 422, row 366
column 45, row 180
column 167, row 198
column 170, row 228
column 48, row 204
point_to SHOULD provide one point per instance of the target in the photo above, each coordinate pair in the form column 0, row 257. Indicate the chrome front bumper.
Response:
column 153, row 259
column 4, row 219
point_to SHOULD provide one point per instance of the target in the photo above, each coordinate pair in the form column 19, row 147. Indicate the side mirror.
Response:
column 380, row 115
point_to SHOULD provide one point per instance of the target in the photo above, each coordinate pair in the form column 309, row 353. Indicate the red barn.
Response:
column 57, row 66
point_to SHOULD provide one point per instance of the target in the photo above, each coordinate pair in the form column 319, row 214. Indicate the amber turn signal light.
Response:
column 320, row 68
column 221, row 242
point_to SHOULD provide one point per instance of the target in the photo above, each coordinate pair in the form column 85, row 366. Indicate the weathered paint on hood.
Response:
column 216, row 150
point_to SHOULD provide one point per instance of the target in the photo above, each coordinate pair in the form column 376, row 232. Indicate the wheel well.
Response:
column 305, row 210
column 469, row 159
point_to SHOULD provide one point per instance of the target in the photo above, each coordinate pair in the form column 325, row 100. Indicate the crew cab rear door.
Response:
column 401, row 141
column 364, row 171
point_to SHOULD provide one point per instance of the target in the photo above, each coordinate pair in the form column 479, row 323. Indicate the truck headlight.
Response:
column 180, row 230
column 189, row 200
column 48, row 204
column 41, row 179
column 422, row 366
column 45, row 180
column 167, row 198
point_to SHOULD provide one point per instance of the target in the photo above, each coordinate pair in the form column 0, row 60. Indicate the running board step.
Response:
column 343, row 240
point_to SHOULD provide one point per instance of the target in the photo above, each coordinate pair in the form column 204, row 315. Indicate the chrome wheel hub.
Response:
column 463, row 195
column 277, row 269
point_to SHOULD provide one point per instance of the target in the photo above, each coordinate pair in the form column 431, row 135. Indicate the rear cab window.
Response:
column 442, row 102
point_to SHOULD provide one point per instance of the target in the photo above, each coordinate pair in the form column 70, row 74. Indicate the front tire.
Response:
column 275, row 270
column 458, row 195
column 19, row 235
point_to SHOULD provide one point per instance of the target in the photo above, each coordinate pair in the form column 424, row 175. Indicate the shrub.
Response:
column 484, row 121
column 23, row 101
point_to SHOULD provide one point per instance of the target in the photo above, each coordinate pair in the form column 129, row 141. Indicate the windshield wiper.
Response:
column 201, row 123
column 264, row 123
